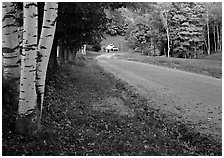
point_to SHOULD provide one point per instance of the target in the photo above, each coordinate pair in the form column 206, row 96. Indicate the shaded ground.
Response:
column 211, row 67
column 89, row 112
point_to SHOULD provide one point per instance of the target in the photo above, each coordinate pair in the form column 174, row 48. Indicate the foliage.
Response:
column 96, row 47
column 144, row 33
column 184, row 22
column 186, row 28
column 80, row 23
column 117, row 24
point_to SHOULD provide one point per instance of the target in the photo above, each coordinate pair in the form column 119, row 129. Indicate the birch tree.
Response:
column 207, row 25
column 164, row 9
column 10, row 42
column 34, row 66
column 44, row 48
column 28, row 113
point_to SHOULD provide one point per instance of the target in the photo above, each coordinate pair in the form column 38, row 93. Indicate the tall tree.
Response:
column 44, row 48
column 10, row 41
column 164, row 8
column 34, row 63
column 28, row 112
column 207, row 24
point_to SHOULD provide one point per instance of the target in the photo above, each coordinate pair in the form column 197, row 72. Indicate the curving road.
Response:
column 196, row 98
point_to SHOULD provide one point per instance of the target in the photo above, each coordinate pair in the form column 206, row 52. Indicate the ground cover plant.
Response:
column 209, row 66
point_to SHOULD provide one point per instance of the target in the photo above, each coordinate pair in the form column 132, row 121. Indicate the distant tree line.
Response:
column 178, row 29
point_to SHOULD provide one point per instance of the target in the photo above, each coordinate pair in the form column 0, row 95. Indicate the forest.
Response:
column 185, row 30
column 38, row 38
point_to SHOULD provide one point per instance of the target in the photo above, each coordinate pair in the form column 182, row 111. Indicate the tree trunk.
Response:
column 168, row 43
column 28, row 112
column 10, row 42
column 44, row 48
column 218, row 37
column 71, row 54
column 214, row 32
column 165, row 23
column 208, row 48
column 20, row 36
column 61, row 59
column 66, row 55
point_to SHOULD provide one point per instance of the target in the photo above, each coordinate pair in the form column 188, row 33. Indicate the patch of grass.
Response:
column 215, row 56
column 72, row 127
column 206, row 67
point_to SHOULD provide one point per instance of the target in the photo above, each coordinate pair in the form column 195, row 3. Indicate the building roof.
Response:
column 110, row 46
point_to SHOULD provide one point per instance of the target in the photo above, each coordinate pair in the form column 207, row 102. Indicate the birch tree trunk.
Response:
column 164, row 10
column 28, row 113
column 207, row 20
column 165, row 23
column 44, row 48
column 10, row 42
column 168, row 42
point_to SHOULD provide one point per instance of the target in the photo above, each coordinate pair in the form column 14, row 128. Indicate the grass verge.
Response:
column 202, row 66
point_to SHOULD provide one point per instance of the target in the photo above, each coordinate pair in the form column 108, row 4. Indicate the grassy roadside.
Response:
column 211, row 67
column 89, row 112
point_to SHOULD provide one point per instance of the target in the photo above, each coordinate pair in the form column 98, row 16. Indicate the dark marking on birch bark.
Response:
column 11, row 57
column 11, row 66
column 32, row 70
column 30, row 5
column 49, row 35
column 9, row 25
column 43, row 47
column 39, row 56
column 7, row 50
column 46, row 27
column 8, row 16
column 19, row 61
column 29, row 66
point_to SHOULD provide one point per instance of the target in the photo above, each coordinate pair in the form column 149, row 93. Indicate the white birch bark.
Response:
column 218, row 37
column 28, row 115
column 10, row 42
column 164, row 7
column 44, row 48
column 207, row 23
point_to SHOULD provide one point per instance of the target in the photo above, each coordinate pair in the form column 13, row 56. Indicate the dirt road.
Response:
column 195, row 98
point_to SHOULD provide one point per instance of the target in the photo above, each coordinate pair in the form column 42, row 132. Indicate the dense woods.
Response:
column 39, row 37
column 179, row 29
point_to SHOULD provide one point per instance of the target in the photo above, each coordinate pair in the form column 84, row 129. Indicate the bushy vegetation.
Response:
column 184, row 29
